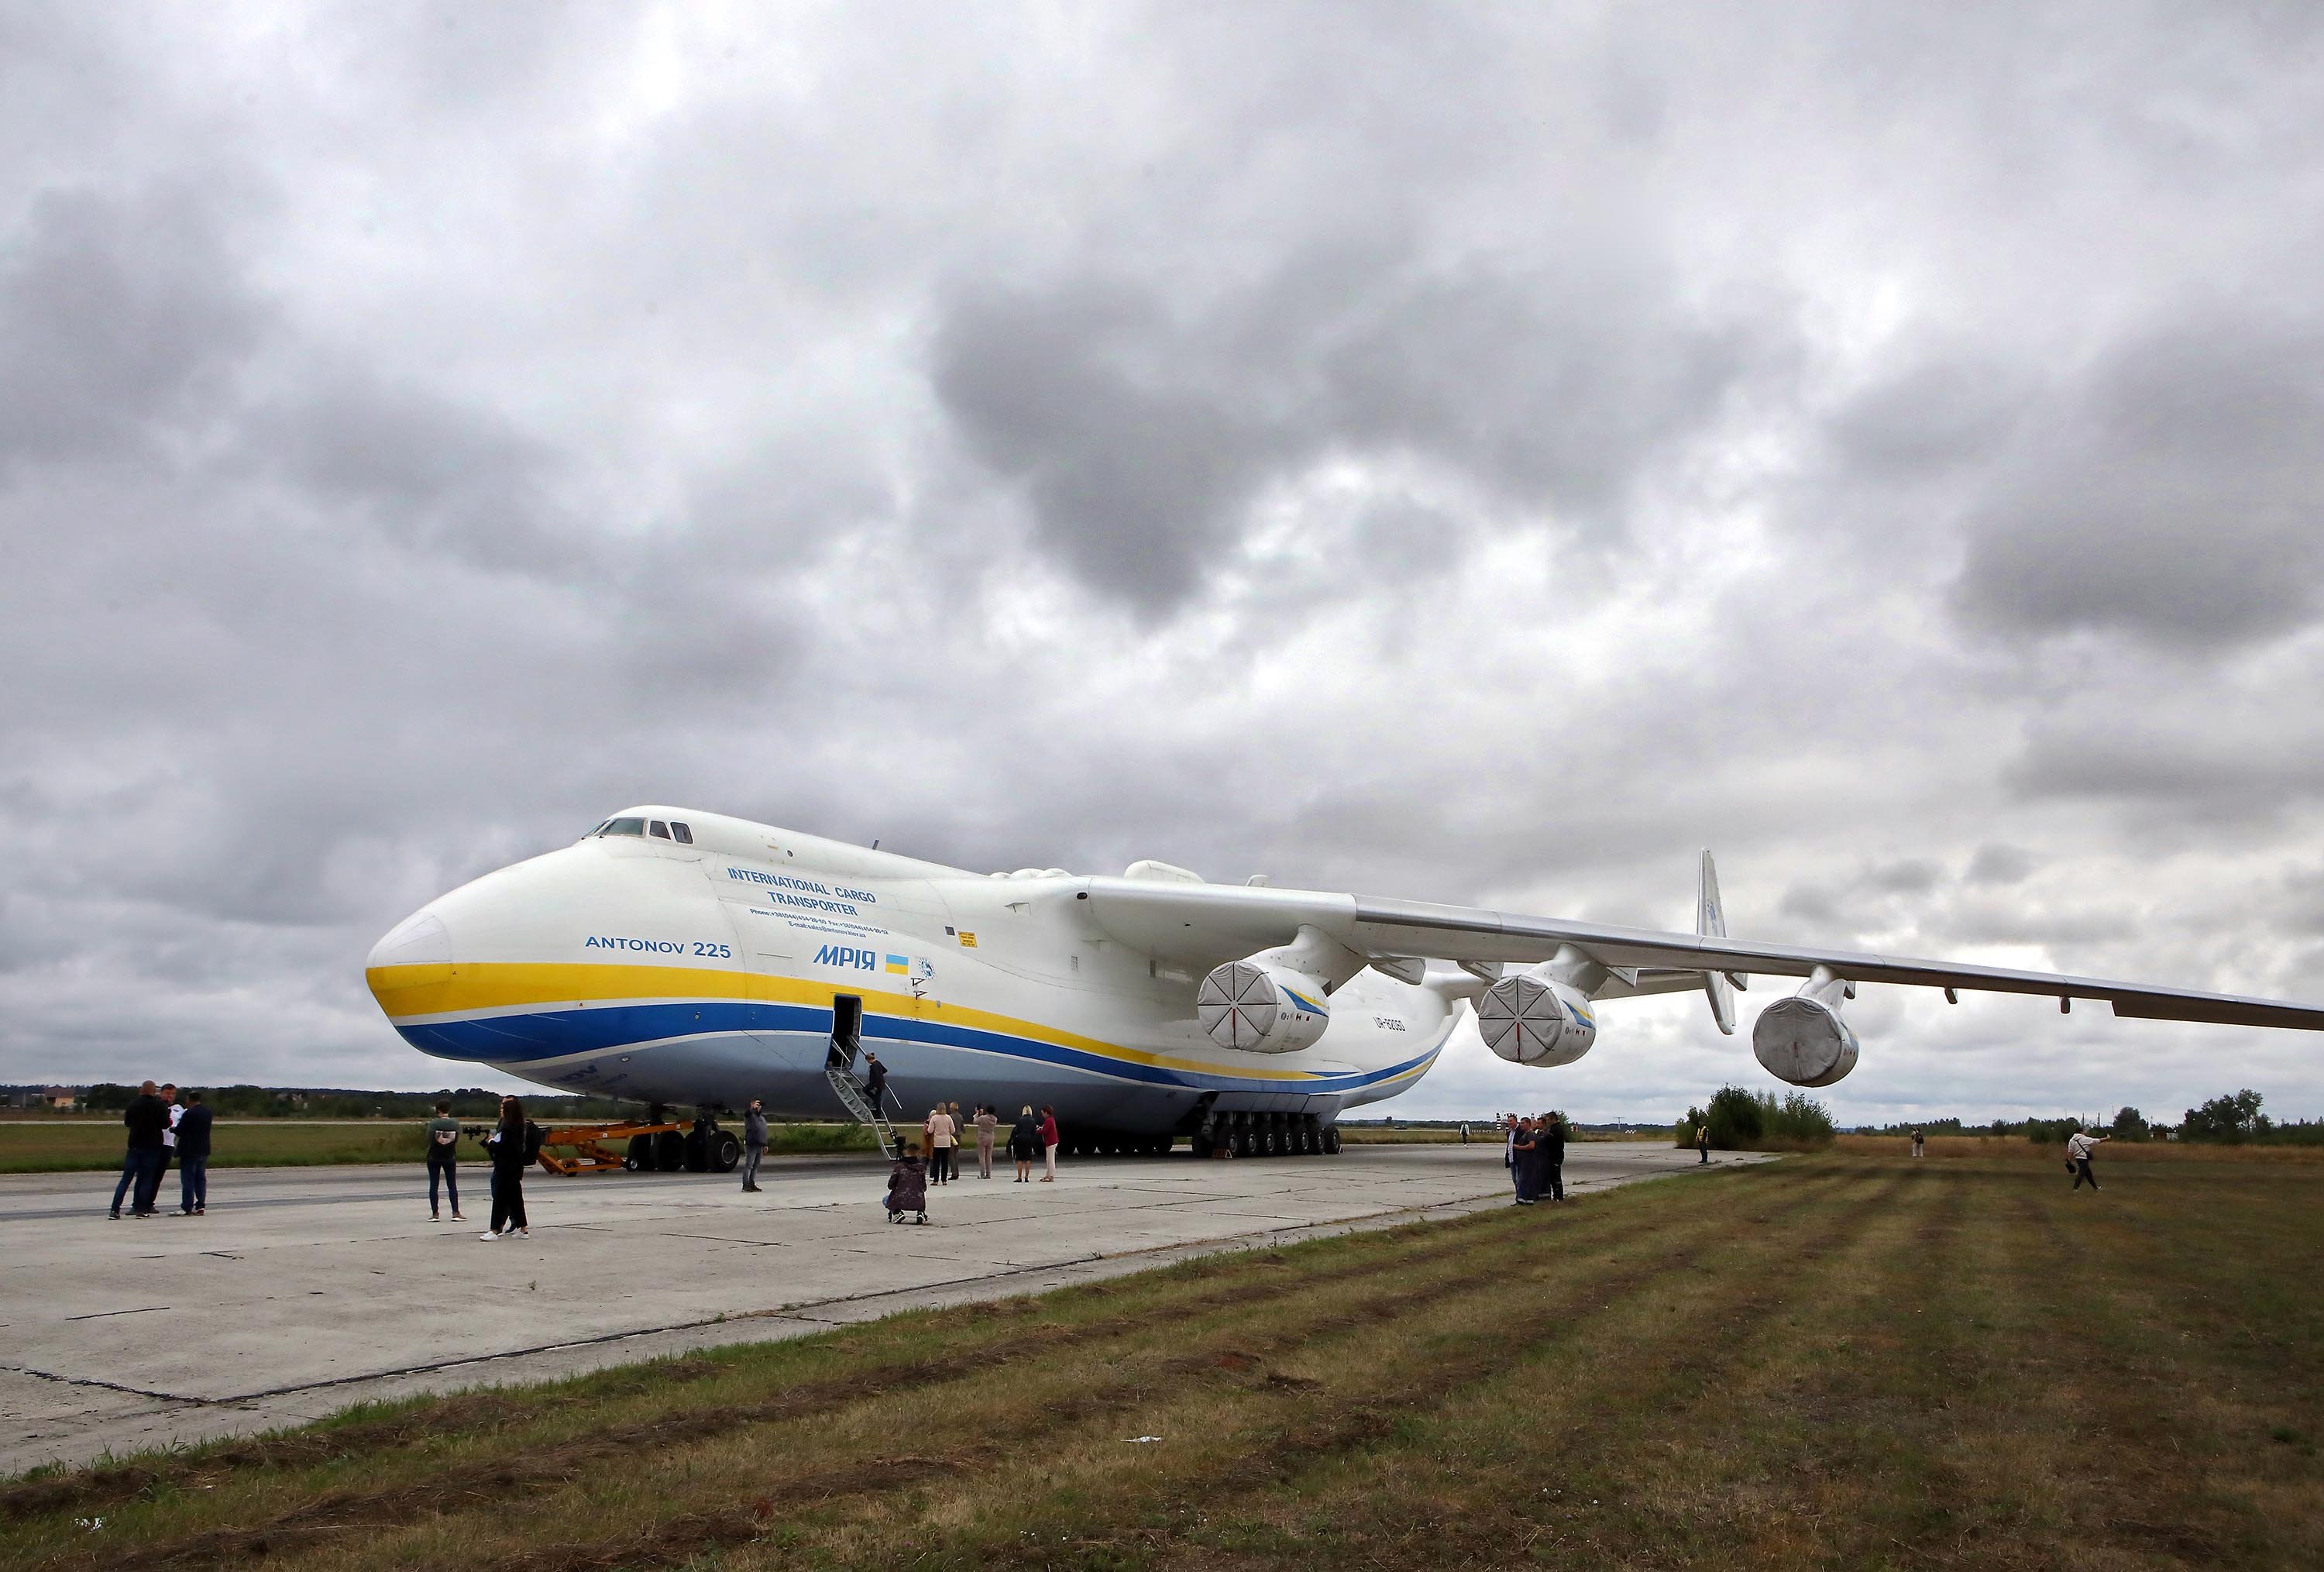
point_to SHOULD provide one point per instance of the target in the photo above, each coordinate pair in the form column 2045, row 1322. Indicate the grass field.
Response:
column 1832, row 1361
column 2007, row 1148
column 68, row 1145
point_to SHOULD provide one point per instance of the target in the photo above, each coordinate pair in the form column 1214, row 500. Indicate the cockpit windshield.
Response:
column 623, row 827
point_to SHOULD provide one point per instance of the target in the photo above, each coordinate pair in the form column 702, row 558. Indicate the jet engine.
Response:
column 1261, row 1007
column 1536, row 1018
column 1803, row 1039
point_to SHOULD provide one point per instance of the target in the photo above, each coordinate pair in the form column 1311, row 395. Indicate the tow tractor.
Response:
column 635, row 1146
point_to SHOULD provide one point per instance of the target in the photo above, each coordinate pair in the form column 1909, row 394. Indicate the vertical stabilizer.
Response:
column 1711, row 922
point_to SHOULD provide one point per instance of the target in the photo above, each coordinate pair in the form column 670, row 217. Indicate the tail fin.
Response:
column 1711, row 922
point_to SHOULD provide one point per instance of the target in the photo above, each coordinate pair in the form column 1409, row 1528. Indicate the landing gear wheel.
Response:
column 726, row 1152
column 641, row 1158
column 1331, row 1140
column 670, row 1151
column 1240, row 1141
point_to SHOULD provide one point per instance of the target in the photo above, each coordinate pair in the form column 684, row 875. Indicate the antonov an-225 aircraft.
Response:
column 681, row 957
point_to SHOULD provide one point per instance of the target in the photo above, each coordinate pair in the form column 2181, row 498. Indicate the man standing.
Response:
column 875, row 1080
column 1703, row 1143
column 2079, row 1147
column 755, row 1145
column 168, row 1132
column 443, row 1134
column 1550, row 1141
column 141, row 1165
column 193, row 1158
column 1525, row 1162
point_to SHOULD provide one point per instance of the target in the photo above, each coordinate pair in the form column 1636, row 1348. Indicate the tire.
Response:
column 726, row 1152
column 1331, row 1140
column 641, row 1159
column 670, row 1151
column 1242, row 1141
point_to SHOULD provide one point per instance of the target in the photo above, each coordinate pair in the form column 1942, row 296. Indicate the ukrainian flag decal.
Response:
column 898, row 965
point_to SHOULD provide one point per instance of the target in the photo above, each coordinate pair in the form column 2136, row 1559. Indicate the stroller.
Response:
column 908, row 1188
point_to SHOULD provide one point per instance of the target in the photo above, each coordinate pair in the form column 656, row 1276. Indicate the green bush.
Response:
column 1743, row 1120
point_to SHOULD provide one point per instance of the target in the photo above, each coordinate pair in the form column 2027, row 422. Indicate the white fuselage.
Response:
column 707, row 974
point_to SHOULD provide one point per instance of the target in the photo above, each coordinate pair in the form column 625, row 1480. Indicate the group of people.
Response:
column 513, row 1146
column 1535, row 1151
column 161, row 1128
column 1033, row 1138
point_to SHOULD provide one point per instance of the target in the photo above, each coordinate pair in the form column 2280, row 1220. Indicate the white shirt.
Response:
column 170, row 1136
column 2079, row 1147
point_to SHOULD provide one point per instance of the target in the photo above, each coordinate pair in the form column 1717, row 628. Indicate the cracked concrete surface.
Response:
column 306, row 1289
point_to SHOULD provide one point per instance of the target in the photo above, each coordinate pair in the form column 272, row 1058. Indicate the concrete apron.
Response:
column 304, row 1290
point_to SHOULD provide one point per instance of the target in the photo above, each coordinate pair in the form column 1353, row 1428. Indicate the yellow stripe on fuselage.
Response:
column 408, row 993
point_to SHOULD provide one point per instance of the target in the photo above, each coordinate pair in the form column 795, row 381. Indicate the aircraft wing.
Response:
column 1210, row 924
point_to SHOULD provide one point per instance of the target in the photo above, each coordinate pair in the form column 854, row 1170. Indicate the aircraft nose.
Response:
column 414, row 956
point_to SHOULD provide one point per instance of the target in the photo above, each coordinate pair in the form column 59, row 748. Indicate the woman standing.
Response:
column 986, row 1121
column 1049, row 1141
column 1024, row 1139
column 511, row 1146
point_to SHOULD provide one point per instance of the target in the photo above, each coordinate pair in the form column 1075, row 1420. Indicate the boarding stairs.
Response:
column 852, row 1099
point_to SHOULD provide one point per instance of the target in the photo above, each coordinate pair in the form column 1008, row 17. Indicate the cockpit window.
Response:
column 660, row 830
column 623, row 826
column 683, row 835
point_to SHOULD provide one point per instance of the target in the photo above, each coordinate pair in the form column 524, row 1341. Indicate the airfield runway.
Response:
column 306, row 1289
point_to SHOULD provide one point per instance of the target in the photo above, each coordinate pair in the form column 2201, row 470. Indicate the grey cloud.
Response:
column 1996, row 863
column 1929, row 418
column 1911, row 876
column 115, row 319
column 2171, row 494
column 1140, row 434
column 426, row 472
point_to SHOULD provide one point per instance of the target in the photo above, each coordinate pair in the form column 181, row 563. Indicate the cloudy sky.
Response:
column 1480, row 454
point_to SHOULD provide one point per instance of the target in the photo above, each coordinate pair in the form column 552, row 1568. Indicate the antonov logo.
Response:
column 835, row 955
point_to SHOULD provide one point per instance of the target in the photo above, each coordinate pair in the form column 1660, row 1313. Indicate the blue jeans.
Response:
column 140, row 1166
column 750, row 1156
column 449, row 1169
column 193, row 1182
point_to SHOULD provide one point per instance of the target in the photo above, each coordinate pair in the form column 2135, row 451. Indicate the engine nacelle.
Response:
column 1533, row 1019
column 1254, row 1007
column 1802, row 1040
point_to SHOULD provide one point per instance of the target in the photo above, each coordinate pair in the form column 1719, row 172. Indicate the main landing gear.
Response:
column 1242, row 1134
column 667, row 1147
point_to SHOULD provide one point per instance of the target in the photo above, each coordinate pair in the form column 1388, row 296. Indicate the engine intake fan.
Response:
column 1536, row 1018
column 1802, row 1040
column 1262, row 1009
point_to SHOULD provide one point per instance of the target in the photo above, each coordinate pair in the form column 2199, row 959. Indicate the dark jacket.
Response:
column 511, row 1157
column 1550, row 1141
column 1025, row 1137
column 907, row 1185
column 194, row 1132
column 754, row 1128
column 147, row 1117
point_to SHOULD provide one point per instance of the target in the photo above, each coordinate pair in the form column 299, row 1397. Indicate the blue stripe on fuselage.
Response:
column 511, row 1039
